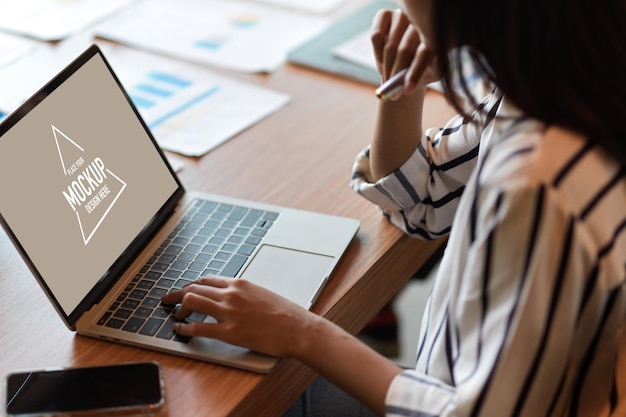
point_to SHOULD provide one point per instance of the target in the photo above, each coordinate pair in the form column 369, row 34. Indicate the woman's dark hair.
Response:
column 560, row 61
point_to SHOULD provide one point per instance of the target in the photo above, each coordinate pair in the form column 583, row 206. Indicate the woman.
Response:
column 527, row 313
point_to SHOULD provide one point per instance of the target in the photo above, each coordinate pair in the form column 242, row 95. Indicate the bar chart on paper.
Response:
column 190, row 110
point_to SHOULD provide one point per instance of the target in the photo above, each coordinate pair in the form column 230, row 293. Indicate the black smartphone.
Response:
column 129, row 388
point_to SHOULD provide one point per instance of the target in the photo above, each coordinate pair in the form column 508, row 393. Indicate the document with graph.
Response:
column 189, row 108
column 237, row 35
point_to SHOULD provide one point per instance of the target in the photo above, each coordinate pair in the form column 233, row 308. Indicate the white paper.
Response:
column 231, row 34
column 22, row 78
column 189, row 109
column 311, row 6
column 13, row 48
column 358, row 50
column 50, row 20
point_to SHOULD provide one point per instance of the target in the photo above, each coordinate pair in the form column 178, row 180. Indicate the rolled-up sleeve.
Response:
column 422, row 195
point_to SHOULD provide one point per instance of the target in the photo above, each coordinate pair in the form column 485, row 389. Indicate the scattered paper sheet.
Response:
column 358, row 50
column 231, row 34
column 311, row 6
column 189, row 109
column 24, row 76
column 13, row 48
column 51, row 20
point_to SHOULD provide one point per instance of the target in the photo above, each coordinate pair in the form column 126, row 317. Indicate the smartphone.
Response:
column 129, row 388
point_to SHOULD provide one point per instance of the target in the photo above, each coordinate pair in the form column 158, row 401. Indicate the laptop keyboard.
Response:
column 212, row 238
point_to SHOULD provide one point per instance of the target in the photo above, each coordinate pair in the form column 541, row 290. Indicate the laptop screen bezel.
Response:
column 110, row 277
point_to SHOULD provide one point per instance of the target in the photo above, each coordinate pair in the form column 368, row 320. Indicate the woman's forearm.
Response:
column 346, row 362
column 397, row 133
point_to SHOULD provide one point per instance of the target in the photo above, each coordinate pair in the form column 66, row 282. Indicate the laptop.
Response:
column 106, row 226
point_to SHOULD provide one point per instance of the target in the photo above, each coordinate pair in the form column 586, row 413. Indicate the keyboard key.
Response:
column 115, row 323
column 104, row 318
column 234, row 265
column 122, row 314
column 162, row 312
column 143, row 312
column 172, row 274
column 153, row 275
column 157, row 292
column 167, row 330
column 246, row 250
column 196, row 317
column 130, row 304
column 145, row 284
column 133, row 324
column 138, row 294
column 150, row 302
column 152, row 326
column 166, row 283
column 252, row 217
column 181, row 283
column 190, row 275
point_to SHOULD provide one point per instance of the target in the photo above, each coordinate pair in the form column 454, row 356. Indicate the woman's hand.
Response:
column 247, row 315
column 251, row 316
column 397, row 45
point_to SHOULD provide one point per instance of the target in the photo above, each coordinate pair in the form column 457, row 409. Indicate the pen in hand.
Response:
column 392, row 86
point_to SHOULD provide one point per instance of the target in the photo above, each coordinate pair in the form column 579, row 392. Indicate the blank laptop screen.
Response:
column 80, row 178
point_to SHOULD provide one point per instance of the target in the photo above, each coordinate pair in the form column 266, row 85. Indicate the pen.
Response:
column 392, row 86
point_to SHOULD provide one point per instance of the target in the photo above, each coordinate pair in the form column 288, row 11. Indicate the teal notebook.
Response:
column 318, row 52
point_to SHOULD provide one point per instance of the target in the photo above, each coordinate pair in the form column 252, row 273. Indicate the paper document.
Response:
column 357, row 49
column 311, row 6
column 189, row 109
column 231, row 34
column 13, row 48
column 51, row 20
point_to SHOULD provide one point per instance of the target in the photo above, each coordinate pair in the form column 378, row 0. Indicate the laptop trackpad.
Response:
column 296, row 275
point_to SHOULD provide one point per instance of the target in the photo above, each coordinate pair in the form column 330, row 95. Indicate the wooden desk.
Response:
column 301, row 157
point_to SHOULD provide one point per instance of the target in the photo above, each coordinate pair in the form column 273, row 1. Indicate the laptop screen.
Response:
column 80, row 179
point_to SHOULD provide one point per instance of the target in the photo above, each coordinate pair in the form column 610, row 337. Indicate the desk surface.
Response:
column 301, row 157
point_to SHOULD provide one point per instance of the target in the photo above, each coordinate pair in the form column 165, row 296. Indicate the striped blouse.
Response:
column 527, row 313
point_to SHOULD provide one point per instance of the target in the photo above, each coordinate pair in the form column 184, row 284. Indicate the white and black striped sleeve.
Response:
column 421, row 196
column 527, row 315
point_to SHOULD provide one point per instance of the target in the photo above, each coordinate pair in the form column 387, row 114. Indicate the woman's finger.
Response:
column 207, row 286
column 421, row 64
column 193, row 301
column 406, row 50
column 399, row 25
column 378, row 35
column 191, row 329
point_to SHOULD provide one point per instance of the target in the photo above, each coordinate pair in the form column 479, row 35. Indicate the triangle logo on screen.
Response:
column 92, row 188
